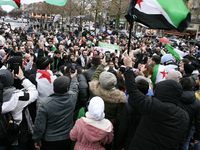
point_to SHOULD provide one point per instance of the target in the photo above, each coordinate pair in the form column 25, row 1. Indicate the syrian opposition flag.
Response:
column 14, row 3
column 173, row 51
column 103, row 47
column 177, row 51
column 56, row 2
column 44, row 79
column 159, row 14
column 159, row 74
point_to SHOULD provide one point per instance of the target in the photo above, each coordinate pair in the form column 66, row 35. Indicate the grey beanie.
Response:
column 61, row 84
column 6, row 78
column 138, row 78
column 107, row 80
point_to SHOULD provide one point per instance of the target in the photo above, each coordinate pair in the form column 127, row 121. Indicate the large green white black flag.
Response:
column 159, row 14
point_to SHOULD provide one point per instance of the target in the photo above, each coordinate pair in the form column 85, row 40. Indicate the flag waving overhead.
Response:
column 56, row 2
column 159, row 14
column 174, row 53
column 14, row 3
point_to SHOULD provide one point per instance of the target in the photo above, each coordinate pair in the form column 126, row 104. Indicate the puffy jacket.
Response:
column 83, row 93
column 89, row 73
column 163, row 125
column 128, row 124
column 191, row 104
column 54, row 118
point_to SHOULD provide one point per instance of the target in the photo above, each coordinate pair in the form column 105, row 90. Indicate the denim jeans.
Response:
column 187, row 142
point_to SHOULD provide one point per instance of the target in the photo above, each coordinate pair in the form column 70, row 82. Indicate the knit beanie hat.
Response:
column 96, row 108
column 61, row 84
column 138, row 78
column 188, row 68
column 174, row 75
column 6, row 78
column 107, row 80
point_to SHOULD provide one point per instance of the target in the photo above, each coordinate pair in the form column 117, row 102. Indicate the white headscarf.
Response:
column 96, row 108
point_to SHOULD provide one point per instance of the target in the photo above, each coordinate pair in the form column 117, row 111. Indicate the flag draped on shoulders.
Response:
column 56, row 2
column 159, row 14
column 14, row 3
column 159, row 74
column 44, row 79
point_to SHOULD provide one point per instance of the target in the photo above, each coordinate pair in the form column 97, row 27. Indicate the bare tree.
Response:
column 80, row 7
column 118, row 9
column 98, row 6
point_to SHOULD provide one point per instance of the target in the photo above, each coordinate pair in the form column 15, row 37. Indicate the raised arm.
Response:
column 136, row 98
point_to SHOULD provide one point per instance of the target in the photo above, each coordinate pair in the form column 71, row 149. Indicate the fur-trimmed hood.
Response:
column 111, row 96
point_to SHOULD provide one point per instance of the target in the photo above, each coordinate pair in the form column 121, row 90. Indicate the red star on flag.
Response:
column 17, row 2
column 139, row 3
column 102, row 49
column 45, row 74
column 164, row 74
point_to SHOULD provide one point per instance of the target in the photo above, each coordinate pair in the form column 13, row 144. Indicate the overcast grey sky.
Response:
column 9, row 8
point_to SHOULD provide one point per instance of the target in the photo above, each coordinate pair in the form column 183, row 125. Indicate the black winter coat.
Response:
column 191, row 104
column 163, row 125
column 83, row 93
column 129, row 122
column 89, row 73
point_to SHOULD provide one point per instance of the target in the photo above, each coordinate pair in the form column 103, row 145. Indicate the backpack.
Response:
column 8, row 129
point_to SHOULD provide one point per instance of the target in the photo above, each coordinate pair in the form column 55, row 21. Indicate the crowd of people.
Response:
column 58, row 91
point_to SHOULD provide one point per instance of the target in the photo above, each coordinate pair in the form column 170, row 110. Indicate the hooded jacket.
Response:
column 114, row 99
column 191, row 104
column 89, row 132
column 163, row 125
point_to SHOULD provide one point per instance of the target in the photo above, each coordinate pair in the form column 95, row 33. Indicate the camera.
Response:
column 73, row 68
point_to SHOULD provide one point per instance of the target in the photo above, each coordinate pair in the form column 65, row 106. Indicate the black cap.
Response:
column 6, row 78
column 188, row 68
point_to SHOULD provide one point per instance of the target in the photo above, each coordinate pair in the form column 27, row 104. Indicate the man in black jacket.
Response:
column 130, row 120
column 191, row 104
column 95, row 63
column 163, row 125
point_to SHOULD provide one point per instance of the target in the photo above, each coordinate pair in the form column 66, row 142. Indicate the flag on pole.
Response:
column 56, row 2
column 14, row 3
column 174, row 53
column 159, row 14
column 159, row 74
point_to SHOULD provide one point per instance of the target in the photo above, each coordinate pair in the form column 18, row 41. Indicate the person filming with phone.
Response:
column 15, row 101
